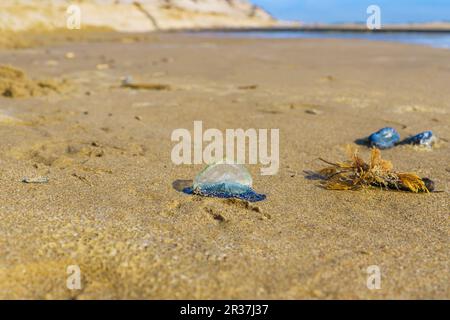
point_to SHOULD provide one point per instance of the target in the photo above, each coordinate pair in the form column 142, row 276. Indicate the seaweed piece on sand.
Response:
column 355, row 174
column 127, row 82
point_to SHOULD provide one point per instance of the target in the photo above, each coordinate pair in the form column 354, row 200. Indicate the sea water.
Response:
column 432, row 39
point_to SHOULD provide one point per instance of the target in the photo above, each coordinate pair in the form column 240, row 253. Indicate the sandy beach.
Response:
column 110, row 206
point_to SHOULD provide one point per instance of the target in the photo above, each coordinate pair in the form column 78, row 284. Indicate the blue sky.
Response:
column 331, row 11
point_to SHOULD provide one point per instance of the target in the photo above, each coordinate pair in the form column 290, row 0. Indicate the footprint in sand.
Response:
column 234, row 209
column 221, row 210
column 216, row 215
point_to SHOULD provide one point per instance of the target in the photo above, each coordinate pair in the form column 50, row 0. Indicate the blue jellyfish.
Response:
column 425, row 138
column 225, row 180
column 384, row 138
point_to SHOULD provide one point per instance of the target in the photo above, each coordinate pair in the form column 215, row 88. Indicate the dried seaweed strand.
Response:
column 355, row 174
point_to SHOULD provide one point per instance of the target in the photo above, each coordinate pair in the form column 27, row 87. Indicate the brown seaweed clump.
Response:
column 15, row 84
column 355, row 174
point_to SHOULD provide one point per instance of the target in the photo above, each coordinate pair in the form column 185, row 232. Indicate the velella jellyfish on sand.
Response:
column 384, row 138
column 426, row 139
column 388, row 137
column 225, row 180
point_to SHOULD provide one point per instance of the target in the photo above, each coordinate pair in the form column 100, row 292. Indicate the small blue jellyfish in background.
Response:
column 384, row 138
column 425, row 138
column 225, row 180
column 389, row 137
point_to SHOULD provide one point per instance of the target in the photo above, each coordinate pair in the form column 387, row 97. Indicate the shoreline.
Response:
column 343, row 29
column 24, row 40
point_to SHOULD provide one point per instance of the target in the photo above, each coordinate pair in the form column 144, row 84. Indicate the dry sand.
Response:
column 110, row 206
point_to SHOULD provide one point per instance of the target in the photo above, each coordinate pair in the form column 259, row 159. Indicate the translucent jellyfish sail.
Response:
column 225, row 180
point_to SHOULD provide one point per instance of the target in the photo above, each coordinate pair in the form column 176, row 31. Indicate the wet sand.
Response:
column 110, row 206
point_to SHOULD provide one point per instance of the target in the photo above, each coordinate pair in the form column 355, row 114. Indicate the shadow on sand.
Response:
column 184, row 186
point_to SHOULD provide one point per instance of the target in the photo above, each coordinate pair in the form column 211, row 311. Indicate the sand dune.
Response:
column 124, row 15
